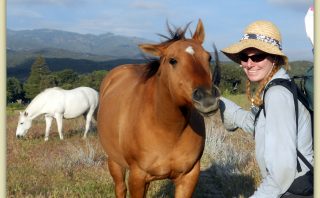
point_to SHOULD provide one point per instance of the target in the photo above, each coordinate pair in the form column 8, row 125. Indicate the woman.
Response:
column 259, row 54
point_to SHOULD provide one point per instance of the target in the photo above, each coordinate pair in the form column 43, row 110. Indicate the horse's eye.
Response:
column 173, row 61
column 21, row 122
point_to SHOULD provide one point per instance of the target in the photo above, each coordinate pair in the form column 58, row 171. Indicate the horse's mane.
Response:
column 175, row 34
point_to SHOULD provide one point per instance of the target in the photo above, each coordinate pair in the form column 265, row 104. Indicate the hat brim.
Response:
column 233, row 51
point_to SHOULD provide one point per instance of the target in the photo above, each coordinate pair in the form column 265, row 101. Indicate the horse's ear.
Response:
column 199, row 34
column 155, row 50
column 25, row 113
column 20, row 113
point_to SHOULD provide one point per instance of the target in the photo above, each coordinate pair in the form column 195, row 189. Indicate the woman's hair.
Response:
column 279, row 61
column 256, row 99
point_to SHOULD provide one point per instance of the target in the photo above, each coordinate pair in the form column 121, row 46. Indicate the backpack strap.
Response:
column 305, row 161
column 297, row 94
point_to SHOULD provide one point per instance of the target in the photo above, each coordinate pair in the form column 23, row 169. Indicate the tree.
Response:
column 93, row 79
column 232, row 78
column 66, row 79
column 38, row 79
column 47, row 81
column 14, row 90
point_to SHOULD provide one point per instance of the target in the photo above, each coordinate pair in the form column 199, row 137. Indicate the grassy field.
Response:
column 77, row 168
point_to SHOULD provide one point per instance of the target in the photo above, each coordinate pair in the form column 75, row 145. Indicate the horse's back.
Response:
column 121, row 76
column 70, row 103
column 88, row 93
column 79, row 101
column 122, row 87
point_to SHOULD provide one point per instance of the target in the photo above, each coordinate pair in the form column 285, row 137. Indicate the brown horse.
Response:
column 148, row 118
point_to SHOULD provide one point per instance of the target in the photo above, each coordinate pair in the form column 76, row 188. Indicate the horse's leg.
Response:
column 59, row 124
column 88, row 122
column 118, row 174
column 185, row 184
column 146, row 188
column 48, row 125
column 137, row 183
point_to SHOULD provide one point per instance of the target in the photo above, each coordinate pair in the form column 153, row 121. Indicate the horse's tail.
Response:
column 216, row 75
column 95, row 113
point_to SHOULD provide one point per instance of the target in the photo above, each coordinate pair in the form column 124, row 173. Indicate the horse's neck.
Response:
column 34, row 108
column 166, row 109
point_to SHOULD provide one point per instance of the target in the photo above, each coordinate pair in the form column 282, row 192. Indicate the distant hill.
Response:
column 26, row 44
column 80, row 66
column 16, row 58
column 103, row 44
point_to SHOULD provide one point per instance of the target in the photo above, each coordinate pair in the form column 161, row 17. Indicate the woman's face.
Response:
column 256, row 64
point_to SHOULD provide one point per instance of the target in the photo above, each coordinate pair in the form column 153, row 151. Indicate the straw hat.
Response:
column 262, row 35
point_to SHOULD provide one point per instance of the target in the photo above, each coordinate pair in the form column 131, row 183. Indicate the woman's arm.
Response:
column 233, row 116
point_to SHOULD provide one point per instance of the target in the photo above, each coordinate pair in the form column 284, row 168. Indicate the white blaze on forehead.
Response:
column 190, row 50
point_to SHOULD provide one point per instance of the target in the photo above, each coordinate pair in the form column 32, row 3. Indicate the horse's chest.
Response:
column 177, row 160
column 172, row 166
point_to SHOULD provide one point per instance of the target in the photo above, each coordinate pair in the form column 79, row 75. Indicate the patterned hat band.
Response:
column 263, row 38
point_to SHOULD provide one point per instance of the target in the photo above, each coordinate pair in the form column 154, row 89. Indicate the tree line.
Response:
column 232, row 79
column 41, row 78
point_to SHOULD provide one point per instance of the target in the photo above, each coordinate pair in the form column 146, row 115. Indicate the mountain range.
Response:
column 63, row 44
column 81, row 52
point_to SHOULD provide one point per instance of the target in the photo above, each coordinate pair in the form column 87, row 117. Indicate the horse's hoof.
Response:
column 46, row 139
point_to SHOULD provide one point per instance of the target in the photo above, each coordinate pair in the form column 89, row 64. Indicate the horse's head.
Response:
column 24, row 124
column 185, row 69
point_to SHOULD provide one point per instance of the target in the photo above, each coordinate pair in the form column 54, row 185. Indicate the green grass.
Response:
column 239, row 99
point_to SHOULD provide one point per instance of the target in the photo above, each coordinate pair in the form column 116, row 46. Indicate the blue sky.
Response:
column 224, row 20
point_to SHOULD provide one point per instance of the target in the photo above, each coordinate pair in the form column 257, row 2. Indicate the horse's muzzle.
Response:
column 206, row 101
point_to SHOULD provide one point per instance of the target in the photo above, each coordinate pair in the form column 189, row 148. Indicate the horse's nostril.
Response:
column 197, row 94
column 215, row 91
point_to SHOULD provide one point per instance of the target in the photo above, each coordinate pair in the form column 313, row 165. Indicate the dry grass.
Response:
column 77, row 168
column 70, row 168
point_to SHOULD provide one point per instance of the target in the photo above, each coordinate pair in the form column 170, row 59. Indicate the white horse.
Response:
column 59, row 103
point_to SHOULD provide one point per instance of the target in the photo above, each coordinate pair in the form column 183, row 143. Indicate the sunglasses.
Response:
column 255, row 58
